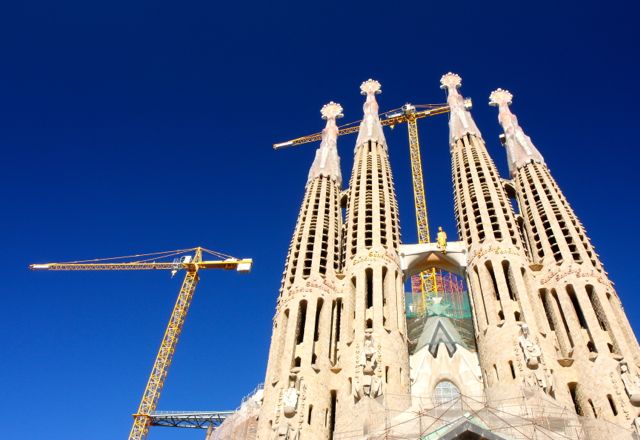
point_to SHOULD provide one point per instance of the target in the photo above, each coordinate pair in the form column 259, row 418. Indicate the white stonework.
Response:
column 583, row 318
column 549, row 354
column 520, row 149
column 327, row 161
column 370, row 128
column 460, row 120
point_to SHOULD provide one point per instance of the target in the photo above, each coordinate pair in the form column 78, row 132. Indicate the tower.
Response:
column 297, row 385
column 505, row 318
column 596, row 348
column 552, row 340
column 376, row 360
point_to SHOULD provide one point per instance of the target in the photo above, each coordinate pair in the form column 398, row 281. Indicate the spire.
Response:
column 520, row 149
column 327, row 161
column 370, row 128
column 460, row 120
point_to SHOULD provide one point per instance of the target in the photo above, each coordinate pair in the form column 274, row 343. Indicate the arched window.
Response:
column 445, row 391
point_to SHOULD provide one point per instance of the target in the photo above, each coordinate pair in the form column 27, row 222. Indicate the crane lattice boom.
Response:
column 390, row 118
column 143, row 418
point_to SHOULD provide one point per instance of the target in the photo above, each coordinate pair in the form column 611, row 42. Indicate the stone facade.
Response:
column 297, row 389
column 592, row 339
column 498, row 270
column 554, row 354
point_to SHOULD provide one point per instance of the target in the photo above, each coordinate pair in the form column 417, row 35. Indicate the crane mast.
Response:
column 428, row 281
column 149, row 402
column 144, row 417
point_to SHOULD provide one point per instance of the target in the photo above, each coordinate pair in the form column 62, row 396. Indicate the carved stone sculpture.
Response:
column 530, row 349
column 286, row 432
column 290, row 398
column 370, row 383
column 369, row 361
column 460, row 121
column 550, row 382
column 631, row 384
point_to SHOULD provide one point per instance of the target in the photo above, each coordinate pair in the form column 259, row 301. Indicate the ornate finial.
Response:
column 450, row 81
column 460, row 120
column 520, row 149
column 370, row 86
column 332, row 110
column 370, row 128
column 327, row 161
column 499, row 96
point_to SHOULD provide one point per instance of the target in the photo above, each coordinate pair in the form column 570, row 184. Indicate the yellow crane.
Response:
column 189, row 260
column 408, row 114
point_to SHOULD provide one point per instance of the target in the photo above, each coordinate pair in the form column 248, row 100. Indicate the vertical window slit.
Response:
column 316, row 331
column 581, row 318
column 574, row 396
column 612, row 404
column 302, row 318
column 369, row 285
column 332, row 416
column 554, row 294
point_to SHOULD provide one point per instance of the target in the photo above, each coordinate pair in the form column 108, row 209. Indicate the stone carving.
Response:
column 332, row 110
column 302, row 402
column 290, row 397
column 370, row 384
column 534, row 376
column 534, row 379
column 520, row 149
column 619, row 395
column 370, row 128
column 636, row 425
column 499, row 250
column 579, row 272
column 550, row 382
column 460, row 121
column 530, row 349
column 327, row 161
column 324, row 285
column 285, row 432
column 540, row 378
column 373, row 256
column 370, row 87
column 631, row 384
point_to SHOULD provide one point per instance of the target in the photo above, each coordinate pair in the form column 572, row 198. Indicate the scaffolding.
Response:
column 519, row 418
column 450, row 295
column 243, row 422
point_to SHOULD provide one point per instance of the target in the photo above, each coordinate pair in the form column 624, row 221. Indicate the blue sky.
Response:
column 138, row 126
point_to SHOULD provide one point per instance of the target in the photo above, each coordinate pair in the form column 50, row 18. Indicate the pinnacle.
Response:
column 327, row 161
column 460, row 120
column 370, row 127
column 331, row 110
column 450, row 81
column 520, row 148
column 370, row 86
column 500, row 97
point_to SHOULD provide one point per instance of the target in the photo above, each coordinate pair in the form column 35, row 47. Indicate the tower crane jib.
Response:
column 192, row 264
